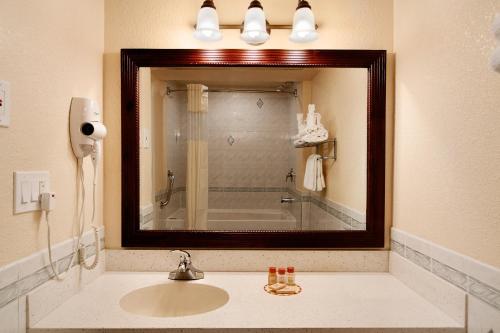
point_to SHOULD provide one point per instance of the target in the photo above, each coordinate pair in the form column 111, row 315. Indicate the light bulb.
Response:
column 304, row 24
column 255, row 25
column 207, row 24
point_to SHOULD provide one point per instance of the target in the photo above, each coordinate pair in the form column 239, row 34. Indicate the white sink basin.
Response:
column 175, row 299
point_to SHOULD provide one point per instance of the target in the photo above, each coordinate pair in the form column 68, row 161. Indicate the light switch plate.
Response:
column 34, row 182
column 4, row 104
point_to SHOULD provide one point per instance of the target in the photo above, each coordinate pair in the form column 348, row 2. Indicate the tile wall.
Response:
column 429, row 268
column 21, row 278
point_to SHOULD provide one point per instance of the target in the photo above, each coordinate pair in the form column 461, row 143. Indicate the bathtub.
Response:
column 236, row 219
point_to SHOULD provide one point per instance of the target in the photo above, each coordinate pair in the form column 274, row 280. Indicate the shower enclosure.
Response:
column 246, row 134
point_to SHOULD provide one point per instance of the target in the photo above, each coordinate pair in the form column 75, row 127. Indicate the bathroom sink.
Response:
column 175, row 299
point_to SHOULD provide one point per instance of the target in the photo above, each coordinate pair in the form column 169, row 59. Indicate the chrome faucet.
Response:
column 290, row 175
column 186, row 270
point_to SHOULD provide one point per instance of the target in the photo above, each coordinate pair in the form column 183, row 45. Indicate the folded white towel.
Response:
column 313, row 177
column 319, row 135
column 495, row 60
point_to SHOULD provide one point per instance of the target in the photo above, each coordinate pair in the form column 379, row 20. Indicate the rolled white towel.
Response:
column 496, row 26
column 495, row 60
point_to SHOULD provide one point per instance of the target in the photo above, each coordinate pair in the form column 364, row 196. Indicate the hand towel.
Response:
column 313, row 177
column 320, row 180
column 310, row 173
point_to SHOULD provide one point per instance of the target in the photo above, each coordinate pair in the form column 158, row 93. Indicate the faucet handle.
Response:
column 185, row 257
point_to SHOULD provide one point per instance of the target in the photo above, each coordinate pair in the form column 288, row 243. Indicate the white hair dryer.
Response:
column 86, row 130
column 86, row 133
column 85, row 127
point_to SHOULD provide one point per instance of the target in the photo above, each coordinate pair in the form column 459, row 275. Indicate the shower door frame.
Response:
column 374, row 61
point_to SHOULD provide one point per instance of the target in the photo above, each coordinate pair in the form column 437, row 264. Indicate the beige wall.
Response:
column 447, row 137
column 358, row 24
column 340, row 96
column 50, row 51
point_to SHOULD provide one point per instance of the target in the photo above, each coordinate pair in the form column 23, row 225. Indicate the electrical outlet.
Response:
column 4, row 104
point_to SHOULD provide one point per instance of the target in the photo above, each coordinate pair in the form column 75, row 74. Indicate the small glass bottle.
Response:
column 290, row 276
column 281, row 275
column 272, row 278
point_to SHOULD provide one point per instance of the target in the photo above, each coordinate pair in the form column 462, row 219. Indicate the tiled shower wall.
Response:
column 250, row 172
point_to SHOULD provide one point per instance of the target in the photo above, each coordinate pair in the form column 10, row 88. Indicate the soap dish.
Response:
column 296, row 290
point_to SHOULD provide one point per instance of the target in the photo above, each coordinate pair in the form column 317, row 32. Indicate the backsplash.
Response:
column 250, row 260
column 429, row 269
column 20, row 278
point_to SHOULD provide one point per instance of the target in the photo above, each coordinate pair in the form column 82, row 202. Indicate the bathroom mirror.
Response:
column 286, row 150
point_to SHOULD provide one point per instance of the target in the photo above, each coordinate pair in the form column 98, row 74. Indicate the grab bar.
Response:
column 171, row 180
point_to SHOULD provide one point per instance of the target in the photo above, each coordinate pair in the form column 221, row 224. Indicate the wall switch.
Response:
column 25, row 192
column 4, row 104
column 35, row 192
column 27, row 189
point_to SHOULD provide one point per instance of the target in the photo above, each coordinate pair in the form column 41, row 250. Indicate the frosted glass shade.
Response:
column 254, row 27
column 304, row 26
column 207, row 25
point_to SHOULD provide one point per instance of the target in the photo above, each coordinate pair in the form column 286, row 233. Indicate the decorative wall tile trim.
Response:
column 247, row 189
column 146, row 214
column 355, row 220
column 160, row 195
column 484, row 292
column 33, row 271
column 475, row 278
column 449, row 274
column 450, row 299
column 418, row 258
column 398, row 248
column 52, row 294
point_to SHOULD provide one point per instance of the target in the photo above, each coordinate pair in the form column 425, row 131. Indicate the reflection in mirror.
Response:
column 243, row 149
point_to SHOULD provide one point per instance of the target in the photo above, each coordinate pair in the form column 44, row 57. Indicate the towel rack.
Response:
column 317, row 144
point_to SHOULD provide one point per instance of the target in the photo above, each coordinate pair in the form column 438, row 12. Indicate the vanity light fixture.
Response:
column 207, row 24
column 255, row 26
column 304, row 24
column 255, row 29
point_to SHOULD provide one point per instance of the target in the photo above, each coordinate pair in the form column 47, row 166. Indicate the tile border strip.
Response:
column 161, row 194
column 22, row 285
column 466, row 282
column 339, row 212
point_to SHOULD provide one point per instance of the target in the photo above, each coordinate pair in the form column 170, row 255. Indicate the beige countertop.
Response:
column 329, row 302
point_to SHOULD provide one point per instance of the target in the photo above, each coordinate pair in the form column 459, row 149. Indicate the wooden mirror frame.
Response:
column 373, row 237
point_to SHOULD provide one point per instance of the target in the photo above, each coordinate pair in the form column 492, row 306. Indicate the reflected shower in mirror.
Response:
column 253, row 148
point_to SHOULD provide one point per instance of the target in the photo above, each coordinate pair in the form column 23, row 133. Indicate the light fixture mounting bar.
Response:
column 271, row 26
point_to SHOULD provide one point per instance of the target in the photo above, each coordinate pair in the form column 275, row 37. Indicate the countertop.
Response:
column 329, row 302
